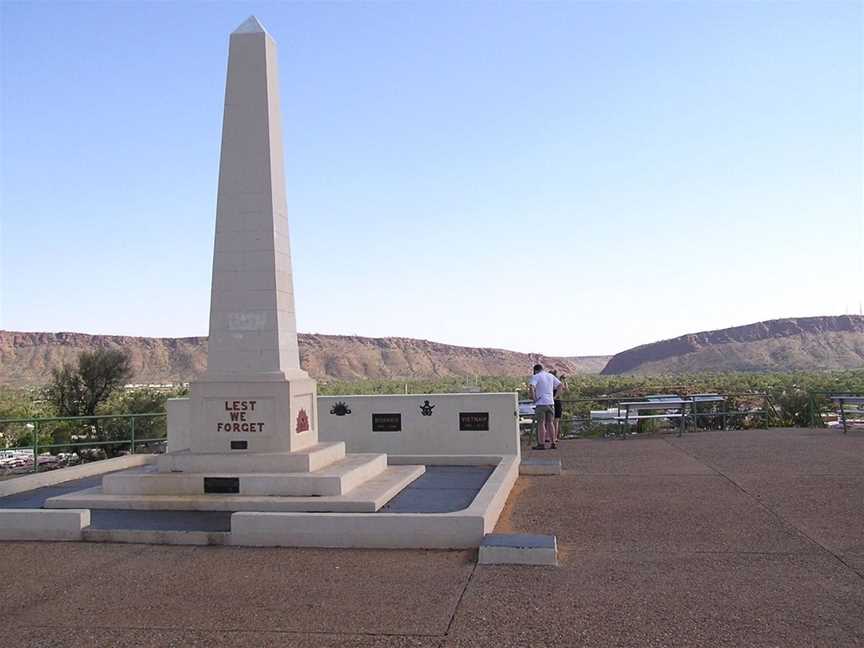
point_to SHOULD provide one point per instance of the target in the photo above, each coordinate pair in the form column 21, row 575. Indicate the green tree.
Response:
column 79, row 389
column 18, row 404
column 136, row 401
column 65, row 392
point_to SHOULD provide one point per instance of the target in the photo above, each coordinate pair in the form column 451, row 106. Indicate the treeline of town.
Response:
column 96, row 385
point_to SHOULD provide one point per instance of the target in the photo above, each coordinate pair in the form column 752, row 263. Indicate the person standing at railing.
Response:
column 559, row 410
column 542, row 387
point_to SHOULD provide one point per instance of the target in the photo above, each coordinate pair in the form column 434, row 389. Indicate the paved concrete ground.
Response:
column 715, row 539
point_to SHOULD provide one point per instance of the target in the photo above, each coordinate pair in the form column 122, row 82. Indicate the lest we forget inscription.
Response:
column 239, row 415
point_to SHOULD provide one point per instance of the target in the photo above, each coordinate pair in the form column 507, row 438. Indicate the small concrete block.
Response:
column 357, row 531
column 535, row 466
column 41, row 524
column 518, row 549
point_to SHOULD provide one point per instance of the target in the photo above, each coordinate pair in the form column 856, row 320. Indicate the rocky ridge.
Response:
column 792, row 344
column 27, row 358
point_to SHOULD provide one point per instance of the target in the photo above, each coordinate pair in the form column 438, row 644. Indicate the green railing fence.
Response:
column 107, row 432
column 56, row 434
column 789, row 408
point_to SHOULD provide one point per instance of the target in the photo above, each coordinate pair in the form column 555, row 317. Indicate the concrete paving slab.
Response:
column 828, row 509
column 49, row 637
column 634, row 456
column 453, row 477
column 441, row 489
column 697, row 600
column 288, row 590
column 637, row 514
column 431, row 501
column 634, row 576
column 776, row 452
column 855, row 561
column 33, row 573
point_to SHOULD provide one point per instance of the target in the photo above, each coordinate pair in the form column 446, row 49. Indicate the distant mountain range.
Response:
column 802, row 344
column 27, row 358
column 805, row 344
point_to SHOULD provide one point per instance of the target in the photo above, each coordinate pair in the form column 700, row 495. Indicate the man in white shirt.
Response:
column 542, row 387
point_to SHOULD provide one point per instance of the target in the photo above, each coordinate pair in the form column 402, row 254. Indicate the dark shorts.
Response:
column 558, row 408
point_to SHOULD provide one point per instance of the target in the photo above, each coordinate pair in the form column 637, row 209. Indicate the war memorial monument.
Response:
column 715, row 539
column 253, row 438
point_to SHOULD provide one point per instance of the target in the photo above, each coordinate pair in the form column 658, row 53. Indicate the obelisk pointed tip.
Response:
column 250, row 26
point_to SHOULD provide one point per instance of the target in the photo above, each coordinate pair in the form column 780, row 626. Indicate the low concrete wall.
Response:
column 436, row 434
column 457, row 530
column 43, row 524
column 179, row 411
column 357, row 530
column 350, row 419
column 492, row 498
column 49, row 478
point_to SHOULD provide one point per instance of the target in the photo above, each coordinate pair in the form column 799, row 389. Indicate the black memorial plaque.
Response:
column 221, row 484
column 473, row 421
column 386, row 422
column 239, row 445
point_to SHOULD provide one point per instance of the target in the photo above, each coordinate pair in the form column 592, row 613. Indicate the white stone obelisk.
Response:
column 254, row 396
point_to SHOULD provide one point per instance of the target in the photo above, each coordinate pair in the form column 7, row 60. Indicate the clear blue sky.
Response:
column 569, row 178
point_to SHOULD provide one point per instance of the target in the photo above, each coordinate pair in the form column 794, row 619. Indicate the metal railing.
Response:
column 740, row 410
column 83, row 428
column 822, row 404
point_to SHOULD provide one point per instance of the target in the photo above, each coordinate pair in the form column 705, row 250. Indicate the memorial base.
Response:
column 255, row 417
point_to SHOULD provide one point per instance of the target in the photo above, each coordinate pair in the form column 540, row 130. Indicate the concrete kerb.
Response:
column 43, row 524
column 518, row 549
column 40, row 480
column 457, row 530
column 535, row 466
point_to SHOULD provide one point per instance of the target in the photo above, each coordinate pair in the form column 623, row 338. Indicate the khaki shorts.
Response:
column 543, row 411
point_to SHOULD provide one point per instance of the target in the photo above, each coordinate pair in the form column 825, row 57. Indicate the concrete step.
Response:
column 335, row 479
column 307, row 460
column 148, row 536
column 536, row 466
column 368, row 497
column 518, row 549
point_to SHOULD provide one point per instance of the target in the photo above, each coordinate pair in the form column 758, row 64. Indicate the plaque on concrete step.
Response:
column 221, row 484
column 473, row 421
column 386, row 422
